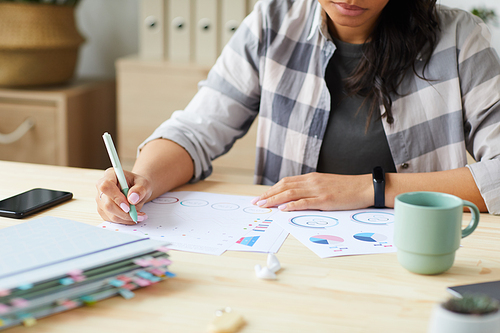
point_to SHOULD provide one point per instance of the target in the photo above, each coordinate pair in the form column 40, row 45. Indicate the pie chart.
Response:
column 326, row 240
column 370, row 237
column 373, row 217
column 314, row 221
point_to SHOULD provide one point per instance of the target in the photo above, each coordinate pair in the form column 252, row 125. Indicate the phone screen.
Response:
column 32, row 201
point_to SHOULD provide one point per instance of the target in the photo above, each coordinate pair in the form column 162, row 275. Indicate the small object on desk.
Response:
column 117, row 166
column 226, row 321
column 264, row 273
column 273, row 263
column 268, row 272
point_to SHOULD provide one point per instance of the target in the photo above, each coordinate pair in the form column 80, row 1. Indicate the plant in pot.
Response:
column 472, row 313
column 39, row 42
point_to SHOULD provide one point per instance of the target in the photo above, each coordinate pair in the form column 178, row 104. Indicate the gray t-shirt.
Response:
column 348, row 148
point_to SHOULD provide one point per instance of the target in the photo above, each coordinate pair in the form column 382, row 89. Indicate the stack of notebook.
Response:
column 49, row 265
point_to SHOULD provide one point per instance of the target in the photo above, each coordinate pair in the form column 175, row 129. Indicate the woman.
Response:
column 339, row 87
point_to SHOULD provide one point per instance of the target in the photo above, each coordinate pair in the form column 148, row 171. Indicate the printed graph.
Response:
column 314, row 221
column 326, row 240
column 370, row 237
column 248, row 241
column 262, row 226
column 373, row 217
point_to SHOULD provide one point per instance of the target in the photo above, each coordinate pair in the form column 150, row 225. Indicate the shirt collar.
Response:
column 320, row 22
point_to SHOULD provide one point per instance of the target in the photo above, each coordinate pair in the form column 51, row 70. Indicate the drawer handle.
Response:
column 18, row 133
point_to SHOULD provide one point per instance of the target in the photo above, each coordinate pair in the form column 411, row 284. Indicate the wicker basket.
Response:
column 38, row 44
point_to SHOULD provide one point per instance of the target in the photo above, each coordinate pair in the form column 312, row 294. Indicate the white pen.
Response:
column 117, row 166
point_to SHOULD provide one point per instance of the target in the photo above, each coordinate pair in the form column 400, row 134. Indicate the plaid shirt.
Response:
column 274, row 68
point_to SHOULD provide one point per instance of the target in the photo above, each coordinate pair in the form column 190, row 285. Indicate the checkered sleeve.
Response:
column 479, row 69
column 226, row 104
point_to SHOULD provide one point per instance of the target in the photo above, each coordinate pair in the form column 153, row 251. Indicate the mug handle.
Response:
column 474, row 220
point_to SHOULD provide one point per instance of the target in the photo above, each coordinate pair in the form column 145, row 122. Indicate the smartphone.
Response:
column 32, row 201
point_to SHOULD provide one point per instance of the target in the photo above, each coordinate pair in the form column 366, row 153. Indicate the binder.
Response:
column 49, row 265
column 232, row 12
column 206, row 41
column 179, row 30
column 151, row 29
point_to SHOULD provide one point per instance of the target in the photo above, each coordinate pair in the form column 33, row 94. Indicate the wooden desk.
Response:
column 370, row 293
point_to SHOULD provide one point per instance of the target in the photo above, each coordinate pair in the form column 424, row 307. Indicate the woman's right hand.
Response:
column 112, row 204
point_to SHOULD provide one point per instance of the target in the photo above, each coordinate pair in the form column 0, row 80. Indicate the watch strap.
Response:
column 378, row 175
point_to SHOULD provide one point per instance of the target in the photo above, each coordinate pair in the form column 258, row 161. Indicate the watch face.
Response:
column 378, row 174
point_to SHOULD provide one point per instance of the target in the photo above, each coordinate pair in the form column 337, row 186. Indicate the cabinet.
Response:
column 58, row 125
column 148, row 92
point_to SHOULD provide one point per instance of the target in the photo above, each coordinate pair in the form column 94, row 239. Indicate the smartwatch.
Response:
column 379, row 186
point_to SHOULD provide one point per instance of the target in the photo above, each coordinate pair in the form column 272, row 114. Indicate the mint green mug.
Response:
column 428, row 229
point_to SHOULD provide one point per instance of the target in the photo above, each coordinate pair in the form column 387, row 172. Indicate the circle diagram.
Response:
column 326, row 240
column 373, row 217
column 194, row 203
column 165, row 200
column 370, row 237
column 257, row 210
column 225, row 206
column 314, row 221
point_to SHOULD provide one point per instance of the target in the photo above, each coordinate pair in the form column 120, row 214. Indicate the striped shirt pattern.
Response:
column 274, row 68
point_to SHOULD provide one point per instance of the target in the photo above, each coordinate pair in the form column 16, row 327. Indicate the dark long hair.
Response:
column 405, row 29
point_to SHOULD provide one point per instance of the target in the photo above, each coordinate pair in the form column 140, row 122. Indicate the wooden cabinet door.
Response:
column 40, row 143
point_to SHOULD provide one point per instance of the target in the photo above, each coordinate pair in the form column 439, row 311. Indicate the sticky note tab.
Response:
column 88, row 300
column 30, row 321
column 124, row 278
column 75, row 272
column 144, row 274
column 142, row 262
column 127, row 294
column 154, row 279
column 4, row 308
column 66, row 281
column 19, row 302
column 142, row 282
column 70, row 304
column 157, row 272
column 116, row 283
column 170, row 274
column 163, row 249
column 165, row 261
column 156, row 263
column 25, row 286
column 79, row 278
column 129, row 286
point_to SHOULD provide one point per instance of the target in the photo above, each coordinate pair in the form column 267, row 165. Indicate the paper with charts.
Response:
column 208, row 223
column 340, row 233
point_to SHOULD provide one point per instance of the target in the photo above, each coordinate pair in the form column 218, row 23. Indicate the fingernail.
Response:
column 254, row 200
column 125, row 207
column 261, row 202
column 142, row 218
column 133, row 198
column 282, row 207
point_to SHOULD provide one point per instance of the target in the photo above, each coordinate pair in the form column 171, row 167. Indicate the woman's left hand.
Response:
column 319, row 191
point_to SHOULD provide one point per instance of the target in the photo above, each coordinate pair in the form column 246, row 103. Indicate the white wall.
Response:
column 490, row 4
column 110, row 27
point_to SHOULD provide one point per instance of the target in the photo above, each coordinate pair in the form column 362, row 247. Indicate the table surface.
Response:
column 367, row 293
